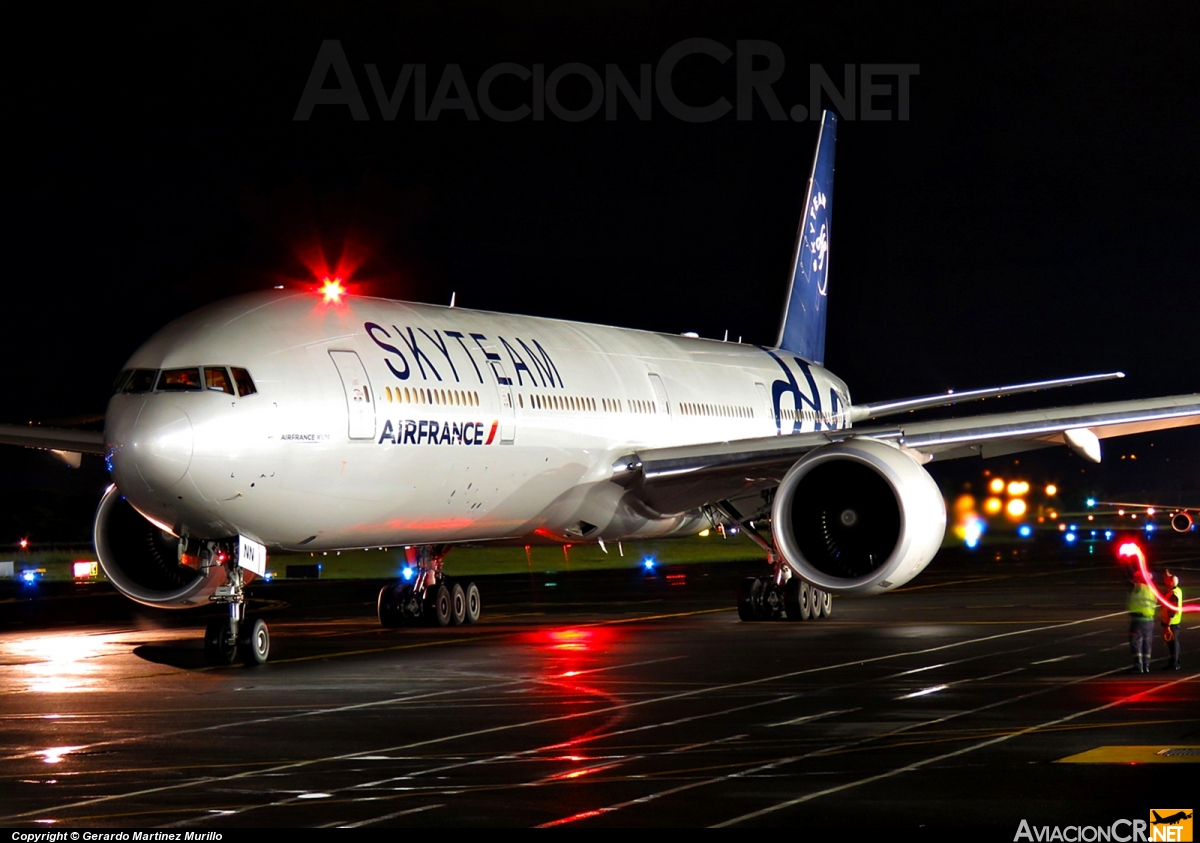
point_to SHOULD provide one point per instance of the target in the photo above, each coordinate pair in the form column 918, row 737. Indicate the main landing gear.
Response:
column 429, row 599
column 236, row 636
column 782, row 594
column 767, row 598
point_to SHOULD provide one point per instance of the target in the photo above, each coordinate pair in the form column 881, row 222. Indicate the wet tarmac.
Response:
column 618, row 698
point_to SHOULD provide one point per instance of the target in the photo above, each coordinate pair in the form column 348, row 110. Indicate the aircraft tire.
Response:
column 474, row 604
column 818, row 604
column 437, row 606
column 750, row 599
column 458, row 605
column 254, row 642
column 826, row 604
column 389, row 607
column 217, row 649
column 795, row 607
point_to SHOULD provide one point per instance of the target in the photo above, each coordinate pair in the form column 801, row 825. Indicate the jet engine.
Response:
column 858, row 517
column 145, row 562
column 1181, row 522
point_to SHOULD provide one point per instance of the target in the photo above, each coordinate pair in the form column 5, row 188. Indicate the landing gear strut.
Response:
column 236, row 636
column 429, row 599
column 780, row 595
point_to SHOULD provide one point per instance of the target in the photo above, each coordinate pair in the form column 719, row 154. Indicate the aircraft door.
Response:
column 360, row 402
column 765, row 398
column 660, row 395
column 504, row 393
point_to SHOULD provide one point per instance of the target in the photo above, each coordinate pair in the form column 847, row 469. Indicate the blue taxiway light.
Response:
column 1024, row 531
column 407, row 573
column 1070, row 538
column 648, row 564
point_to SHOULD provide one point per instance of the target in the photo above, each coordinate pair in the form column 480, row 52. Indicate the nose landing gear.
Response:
column 429, row 599
column 236, row 636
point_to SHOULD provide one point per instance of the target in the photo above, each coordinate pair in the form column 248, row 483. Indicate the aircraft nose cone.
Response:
column 157, row 444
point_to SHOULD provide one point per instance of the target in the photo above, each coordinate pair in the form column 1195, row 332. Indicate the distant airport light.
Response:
column 1017, row 488
column 1024, row 531
column 1053, row 515
column 1016, row 507
column 1108, row 535
column 1051, row 490
column 407, row 573
column 1120, row 512
column 1149, row 528
column 705, row 533
column 1070, row 537
column 972, row 531
column 29, row 576
column 23, row 544
column 332, row 290
column 648, row 563
column 1091, row 501
column 1072, row 528
column 993, row 505
column 85, row 569
column 1062, row 528
column 997, row 486
column 1150, row 511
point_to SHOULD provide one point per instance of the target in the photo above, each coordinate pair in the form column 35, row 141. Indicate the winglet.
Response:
column 802, row 331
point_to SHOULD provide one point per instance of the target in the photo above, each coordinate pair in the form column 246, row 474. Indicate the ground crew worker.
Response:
column 1171, row 619
column 1142, row 609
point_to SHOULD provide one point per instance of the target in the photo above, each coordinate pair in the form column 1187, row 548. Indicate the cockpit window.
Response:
column 245, row 385
column 217, row 379
column 136, row 381
column 179, row 380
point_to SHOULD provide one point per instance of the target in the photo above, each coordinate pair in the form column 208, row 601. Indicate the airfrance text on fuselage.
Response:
column 434, row 432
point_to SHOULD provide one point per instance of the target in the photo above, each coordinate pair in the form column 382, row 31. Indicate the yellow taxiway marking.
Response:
column 1171, row 754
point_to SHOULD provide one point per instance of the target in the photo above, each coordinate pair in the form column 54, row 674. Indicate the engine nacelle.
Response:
column 143, row 562
column 858, row 517
column 1181, row 522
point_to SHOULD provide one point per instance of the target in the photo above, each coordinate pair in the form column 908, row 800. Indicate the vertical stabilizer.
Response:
column 803, row 328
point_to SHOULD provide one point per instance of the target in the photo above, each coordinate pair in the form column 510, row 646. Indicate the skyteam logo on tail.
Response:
column 818, row 243
column 803, row 329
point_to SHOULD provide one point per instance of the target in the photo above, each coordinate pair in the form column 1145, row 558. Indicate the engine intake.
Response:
column 143, row 562
column 858, row 517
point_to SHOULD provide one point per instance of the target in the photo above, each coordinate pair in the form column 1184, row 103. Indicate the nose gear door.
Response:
column 360, row 403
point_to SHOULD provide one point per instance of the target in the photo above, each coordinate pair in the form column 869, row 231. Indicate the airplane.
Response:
column 1182, row 518
column 1172, row 819
column 288, row 421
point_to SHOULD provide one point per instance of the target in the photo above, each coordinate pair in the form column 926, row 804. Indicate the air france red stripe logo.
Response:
column 436, row 432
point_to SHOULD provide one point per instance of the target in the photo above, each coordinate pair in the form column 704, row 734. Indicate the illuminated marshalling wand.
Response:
column 1130, row 550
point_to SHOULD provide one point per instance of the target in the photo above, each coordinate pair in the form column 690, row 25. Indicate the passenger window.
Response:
column 139, row 381
column 217, row 379
column 245, row 386
column 179, row 380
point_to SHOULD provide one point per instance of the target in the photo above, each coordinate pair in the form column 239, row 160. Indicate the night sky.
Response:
column 1036, row 216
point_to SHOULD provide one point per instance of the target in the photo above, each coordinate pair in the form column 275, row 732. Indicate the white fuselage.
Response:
column 431, row 424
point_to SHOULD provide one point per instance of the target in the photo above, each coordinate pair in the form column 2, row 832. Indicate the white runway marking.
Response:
column 294, row 765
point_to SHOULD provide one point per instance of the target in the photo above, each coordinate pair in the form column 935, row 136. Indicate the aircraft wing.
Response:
column 683, row 478
column 52, row 438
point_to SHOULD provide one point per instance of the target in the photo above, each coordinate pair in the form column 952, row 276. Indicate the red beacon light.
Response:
column 332, row 290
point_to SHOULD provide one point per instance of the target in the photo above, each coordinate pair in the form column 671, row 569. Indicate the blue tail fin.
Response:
column 803, row 328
